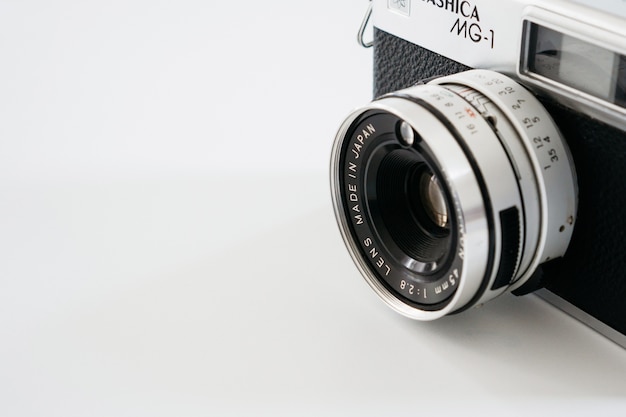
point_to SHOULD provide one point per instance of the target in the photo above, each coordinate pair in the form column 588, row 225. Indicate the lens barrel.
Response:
column 450, row 193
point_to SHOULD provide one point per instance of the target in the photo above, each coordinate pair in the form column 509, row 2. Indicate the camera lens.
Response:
column 412, row 207
column 433, row 199
column 450, row 193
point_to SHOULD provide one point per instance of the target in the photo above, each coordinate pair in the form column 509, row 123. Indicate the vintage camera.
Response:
column 492, row 159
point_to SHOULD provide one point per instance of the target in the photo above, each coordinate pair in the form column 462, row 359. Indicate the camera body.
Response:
column 542, row 45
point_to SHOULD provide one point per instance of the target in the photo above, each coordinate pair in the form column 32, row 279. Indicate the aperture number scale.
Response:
column 442, row 286
column 529, row 122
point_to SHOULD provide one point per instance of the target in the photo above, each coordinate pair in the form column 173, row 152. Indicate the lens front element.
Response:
column 433, row 199
column 406, row 208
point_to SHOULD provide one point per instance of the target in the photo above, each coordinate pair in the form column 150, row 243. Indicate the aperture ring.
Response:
column 492, row 166
column 548, row 154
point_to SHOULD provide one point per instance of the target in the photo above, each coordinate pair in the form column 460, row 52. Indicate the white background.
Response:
column 167, row 243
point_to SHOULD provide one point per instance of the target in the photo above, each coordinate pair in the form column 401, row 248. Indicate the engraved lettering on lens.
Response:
column 352, row 169
column 360, row 140
column 354, row 197
column 450, row 193
column 372, row 208
column 379, row 261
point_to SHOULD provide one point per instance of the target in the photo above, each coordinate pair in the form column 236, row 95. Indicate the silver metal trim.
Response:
column 545, row 212
column 363, row 27
column 466, row 199
column 557, row 189
column 572, row 97
column 583, row 317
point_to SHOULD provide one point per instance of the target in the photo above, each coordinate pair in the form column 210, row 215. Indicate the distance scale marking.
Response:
column 547, row 154
column 499, row 173
column 516, row 100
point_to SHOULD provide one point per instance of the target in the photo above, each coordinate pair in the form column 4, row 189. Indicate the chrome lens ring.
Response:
column 482, row 161
column 537, row 147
